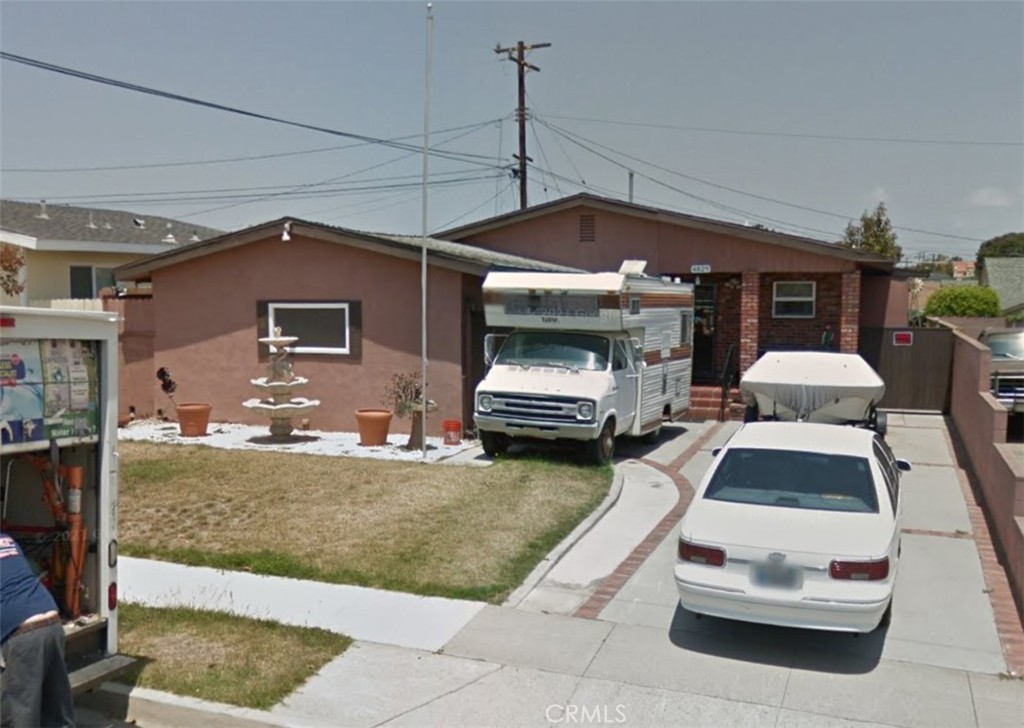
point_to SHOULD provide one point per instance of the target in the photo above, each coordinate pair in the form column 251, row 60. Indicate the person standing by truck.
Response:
column 34, row 685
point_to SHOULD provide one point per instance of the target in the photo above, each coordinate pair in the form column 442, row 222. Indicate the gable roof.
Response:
column 1006, row 276
column 41, row 222
column 608, row 204
column 445, row 253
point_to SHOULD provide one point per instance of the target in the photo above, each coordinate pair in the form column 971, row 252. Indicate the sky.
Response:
column 796, row 116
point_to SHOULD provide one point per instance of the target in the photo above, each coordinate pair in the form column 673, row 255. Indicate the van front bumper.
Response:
column 542, row 430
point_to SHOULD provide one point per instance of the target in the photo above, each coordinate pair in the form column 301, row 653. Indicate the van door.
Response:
column 626, row 374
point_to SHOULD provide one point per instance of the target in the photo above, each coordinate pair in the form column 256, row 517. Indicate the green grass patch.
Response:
column 220, row 657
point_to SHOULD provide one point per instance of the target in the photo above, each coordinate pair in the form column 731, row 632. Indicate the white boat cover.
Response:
column 813, row 386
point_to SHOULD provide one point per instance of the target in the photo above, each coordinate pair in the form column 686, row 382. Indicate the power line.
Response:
column 63, row 70
column 489, row 200
column 793, row 135
column 225, row 160
column 575, row 139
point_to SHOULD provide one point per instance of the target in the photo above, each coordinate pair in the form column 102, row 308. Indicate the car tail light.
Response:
column 859, row 570
column 701, row 554
column 112, row 596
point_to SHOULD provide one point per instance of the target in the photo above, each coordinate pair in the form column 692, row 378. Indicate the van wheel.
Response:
column 652, row 437
column 602, row 449
column 494, row 443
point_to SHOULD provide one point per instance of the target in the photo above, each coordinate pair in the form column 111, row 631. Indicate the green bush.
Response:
column 975, row 301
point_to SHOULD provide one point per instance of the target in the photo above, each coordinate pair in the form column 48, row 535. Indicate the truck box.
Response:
column 59, row 470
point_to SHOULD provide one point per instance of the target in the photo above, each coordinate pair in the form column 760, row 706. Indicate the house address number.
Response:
column 700, row 269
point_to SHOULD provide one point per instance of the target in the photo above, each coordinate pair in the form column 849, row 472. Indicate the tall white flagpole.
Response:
column 423, row 257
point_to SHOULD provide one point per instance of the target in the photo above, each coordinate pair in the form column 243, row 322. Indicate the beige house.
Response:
column 71, row 252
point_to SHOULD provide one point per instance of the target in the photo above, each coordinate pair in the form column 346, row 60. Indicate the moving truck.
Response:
column 591, row 356
column 59, row 471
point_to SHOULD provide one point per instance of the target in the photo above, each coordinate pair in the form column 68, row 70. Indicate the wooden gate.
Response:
column 916, row 365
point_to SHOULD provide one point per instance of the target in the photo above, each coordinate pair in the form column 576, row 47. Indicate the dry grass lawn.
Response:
column 445, row 530
column 220, row 657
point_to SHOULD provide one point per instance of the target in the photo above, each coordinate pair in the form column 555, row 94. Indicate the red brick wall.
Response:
column 749, row 315
column 849, row 313
column 798, row 333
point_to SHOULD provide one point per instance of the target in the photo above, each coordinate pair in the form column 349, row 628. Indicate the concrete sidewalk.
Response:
column 644, row 661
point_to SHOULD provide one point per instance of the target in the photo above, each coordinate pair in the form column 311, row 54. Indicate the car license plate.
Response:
column 776, row 575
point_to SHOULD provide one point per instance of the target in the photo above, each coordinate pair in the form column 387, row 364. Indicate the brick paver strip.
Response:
column 612, row 584
column 1008, row 618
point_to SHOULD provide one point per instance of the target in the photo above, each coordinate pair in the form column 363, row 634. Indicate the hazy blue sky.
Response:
column 618, row 74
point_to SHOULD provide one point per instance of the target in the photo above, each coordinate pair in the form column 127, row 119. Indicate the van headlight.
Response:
column 585, row 411
column 485, row 402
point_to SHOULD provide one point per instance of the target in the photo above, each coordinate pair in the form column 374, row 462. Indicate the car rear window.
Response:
column 795, row 479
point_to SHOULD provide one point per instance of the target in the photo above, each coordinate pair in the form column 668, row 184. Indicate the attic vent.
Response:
column 588, row 229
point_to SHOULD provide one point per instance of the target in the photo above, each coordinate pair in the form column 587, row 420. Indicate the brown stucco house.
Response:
column 353, row 298
column 756, row 289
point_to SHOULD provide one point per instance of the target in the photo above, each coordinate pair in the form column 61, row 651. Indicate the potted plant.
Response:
column 193, row 417
column 405, row 396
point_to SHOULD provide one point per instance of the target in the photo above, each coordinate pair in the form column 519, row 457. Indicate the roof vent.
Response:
column 42, row 211
column 169, row 238
column 139, row 223
column 588, row 229
column 194, row 238
column 107, row 226
column 91, row 225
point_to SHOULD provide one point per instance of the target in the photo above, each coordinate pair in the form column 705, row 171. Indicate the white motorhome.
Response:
column 59, row 470
column 592, row 356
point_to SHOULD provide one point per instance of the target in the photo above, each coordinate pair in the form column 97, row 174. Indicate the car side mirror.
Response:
column 903, row 465
column 715, row 451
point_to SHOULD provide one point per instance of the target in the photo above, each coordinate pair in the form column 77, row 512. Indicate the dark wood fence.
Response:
column 916, row 364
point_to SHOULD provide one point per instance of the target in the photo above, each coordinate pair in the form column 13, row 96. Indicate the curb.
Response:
column 157, row 709
column 555, row 555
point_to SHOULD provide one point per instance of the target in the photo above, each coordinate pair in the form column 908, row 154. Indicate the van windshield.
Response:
column 555, row 348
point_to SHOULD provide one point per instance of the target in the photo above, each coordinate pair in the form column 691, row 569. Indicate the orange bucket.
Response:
column 452, row 432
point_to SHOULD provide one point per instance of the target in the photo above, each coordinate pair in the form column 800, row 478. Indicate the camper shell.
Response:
column 59, row 470
column 590, row 357
column 812, row 386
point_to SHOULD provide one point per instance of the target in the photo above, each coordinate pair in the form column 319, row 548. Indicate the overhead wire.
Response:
column 794, row 135
column 492, row 198
column 105, row 80
column 578, row 140
column 226, row 160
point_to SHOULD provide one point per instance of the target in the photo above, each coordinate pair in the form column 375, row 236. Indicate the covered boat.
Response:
column 813, row 386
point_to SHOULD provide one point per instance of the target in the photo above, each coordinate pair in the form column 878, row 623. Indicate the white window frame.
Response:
column 92, row 275
column 299, row 348
column 812, row 299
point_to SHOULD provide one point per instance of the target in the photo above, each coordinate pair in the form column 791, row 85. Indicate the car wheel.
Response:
column 494, row 443
column 602, row 449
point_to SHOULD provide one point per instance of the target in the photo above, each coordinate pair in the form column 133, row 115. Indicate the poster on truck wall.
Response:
column 48, row 390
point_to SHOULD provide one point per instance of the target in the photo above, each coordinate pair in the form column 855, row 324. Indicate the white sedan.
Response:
column 795, row 524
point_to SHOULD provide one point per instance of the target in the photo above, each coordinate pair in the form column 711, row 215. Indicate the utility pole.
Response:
column 518, row 56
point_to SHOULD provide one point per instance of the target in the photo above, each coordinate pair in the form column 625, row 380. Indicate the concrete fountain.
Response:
column 279, row 405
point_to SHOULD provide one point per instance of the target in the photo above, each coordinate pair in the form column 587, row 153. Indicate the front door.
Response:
column 705, row 297
column 625, row 371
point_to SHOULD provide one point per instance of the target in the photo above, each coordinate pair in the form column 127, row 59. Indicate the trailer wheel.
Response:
column 751, row 414
column 602, row 449
column 878, row 422
column 494, row 443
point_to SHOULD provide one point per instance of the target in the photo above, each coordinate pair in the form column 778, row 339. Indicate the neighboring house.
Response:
column 963, row 269
column 71, row 252
column 756, row 289
column 353, row 299
column 1006, row 276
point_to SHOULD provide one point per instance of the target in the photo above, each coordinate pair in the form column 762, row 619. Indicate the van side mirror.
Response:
column 903, row 465
column 638, row 351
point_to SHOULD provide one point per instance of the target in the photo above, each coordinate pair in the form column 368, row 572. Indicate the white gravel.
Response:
column 311, row 442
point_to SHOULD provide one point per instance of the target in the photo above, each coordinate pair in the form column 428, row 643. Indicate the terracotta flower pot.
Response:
column 193, row 418
column 373, row 426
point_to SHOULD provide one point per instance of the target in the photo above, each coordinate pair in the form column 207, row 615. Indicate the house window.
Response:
column 793, row 299
column 86, row 280
column 685, row 328
column 321, row 327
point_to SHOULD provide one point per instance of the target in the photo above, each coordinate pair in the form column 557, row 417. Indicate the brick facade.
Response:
column 749, row 319
column 849, row 313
